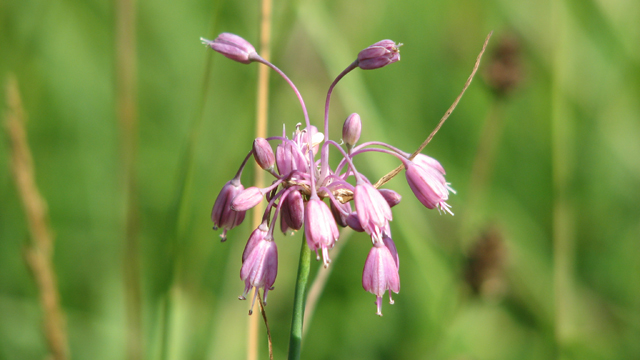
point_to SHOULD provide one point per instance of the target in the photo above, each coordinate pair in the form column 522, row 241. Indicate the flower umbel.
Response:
column 308, row 192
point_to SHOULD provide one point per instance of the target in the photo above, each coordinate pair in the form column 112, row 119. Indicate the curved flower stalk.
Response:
column 308, row 192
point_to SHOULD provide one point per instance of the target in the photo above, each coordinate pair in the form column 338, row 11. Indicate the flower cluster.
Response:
column 303, row 183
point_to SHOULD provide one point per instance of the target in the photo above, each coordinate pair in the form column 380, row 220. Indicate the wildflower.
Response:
column 222, row 215
column 232, row 46
column 373, row 210
column 354, row 223
column 351, row 130
column 259, row 268
column 340, row 213
column 380, row 274
column 302, row 182
column 392, row 197
column 247, row 199
column 263, row 154
column 428, row 185
column 426, row 162
column 293, row 210
column 378, row 55
column 320, row 228
column 256, row 236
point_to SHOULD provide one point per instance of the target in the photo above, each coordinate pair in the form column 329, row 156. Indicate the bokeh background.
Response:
column 540, row 261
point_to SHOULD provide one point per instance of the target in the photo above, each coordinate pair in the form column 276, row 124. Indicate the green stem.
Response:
column 295, row 341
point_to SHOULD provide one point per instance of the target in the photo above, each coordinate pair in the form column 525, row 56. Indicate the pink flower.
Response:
column 392, row 197
column 351, row 130
column 354, row 223
column 232, row 46
column 289, row 158
column 429, row 186
column 373, row 210
column 293, row 210
column 222, row 215
column 259, row 268
column 320, row 228
column 425, row 161
column 247, row 199
column 380, row 54
column 263, row 154
column 256, row 236
column 380, row 274
column 338, row 212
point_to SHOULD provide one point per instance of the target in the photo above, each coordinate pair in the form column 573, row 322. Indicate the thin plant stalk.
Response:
column 126, row 84
column 383, row 180
column 562, row 159
column 320, row 280
column 262, row 111
column 297, row 320
column 39, row 251
column 266, row 324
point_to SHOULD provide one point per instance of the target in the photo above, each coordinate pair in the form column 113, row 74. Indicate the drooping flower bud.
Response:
column 260, row 269
column 320, row 228
column 373, row 210
column 339, row 213
column 232, row 46
column 222, row 215
column 293, row 210
column 284, row 227
column 247, row 199
column 428, row 186
column 392, row 197
column 380, row 274
column 263, row 154
column 351, row 130
column 354, row 223
column 380, row 54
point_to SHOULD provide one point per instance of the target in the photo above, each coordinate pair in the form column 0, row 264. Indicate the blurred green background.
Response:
column 541, row 260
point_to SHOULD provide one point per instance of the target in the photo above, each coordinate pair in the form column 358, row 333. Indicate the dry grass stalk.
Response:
column 39, row 251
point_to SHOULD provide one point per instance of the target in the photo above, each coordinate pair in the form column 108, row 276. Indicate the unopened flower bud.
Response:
column 392, row 197
column 222, row 215
column 378, row 55
column 354, row 222
column 232, row 46
column 263, row 154
column 351, row 130
column 247, row 199
column 339, row 213
column 293, row 210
